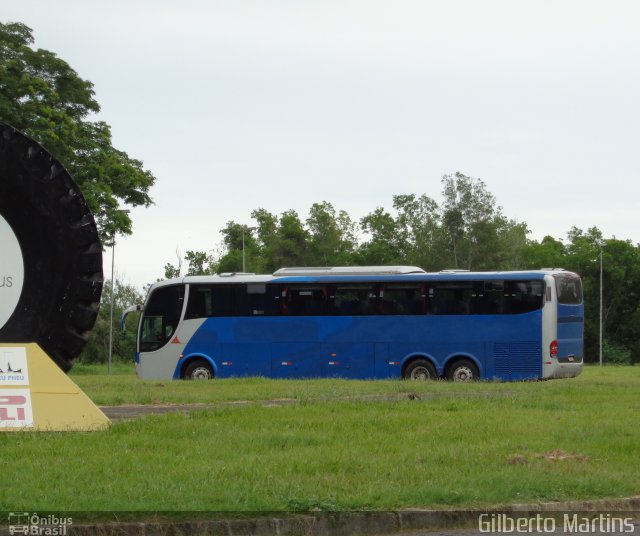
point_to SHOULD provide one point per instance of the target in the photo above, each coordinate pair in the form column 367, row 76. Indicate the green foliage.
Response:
column 548, row 253
column 418, row 231
column 199, row 263
column 124, row 344
column 615, row 354
column 43, row 96
column 470, row 221
column 331, row 236
column 468, row 231
column 385, row 245
column 171, row 271
column 620, row 282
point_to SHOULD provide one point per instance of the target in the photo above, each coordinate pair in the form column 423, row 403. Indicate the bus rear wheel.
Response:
column 463, row 370
column 420, row 370
column 198, row 370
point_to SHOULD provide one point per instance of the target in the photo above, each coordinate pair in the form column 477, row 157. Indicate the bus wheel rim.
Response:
column 201, row 373
column 420, row 374
column 462, row 374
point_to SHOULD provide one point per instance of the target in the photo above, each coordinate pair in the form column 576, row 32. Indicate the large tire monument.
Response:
column 50, row 254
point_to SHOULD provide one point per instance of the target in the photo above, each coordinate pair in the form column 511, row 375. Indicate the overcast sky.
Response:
column 235, row 105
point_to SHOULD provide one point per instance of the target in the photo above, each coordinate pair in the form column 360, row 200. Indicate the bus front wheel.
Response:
column 421, row 370
column 198, row 370
column 463, row 370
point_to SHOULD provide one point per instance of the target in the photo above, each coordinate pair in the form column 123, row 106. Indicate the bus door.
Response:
column 159, row 344
column 570, row 318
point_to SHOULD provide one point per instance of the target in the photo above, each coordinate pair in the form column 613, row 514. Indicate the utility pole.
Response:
column 113, row 265
column 601, row 341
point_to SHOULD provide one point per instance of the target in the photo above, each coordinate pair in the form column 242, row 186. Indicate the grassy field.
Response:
column 341, row 445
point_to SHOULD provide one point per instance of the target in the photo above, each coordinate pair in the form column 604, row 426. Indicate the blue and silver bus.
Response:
column 364, row 323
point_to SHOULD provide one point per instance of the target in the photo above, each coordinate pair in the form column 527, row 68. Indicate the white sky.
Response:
column 236, row 105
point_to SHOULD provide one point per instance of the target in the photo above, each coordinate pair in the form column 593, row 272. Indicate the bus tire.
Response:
column 463, row 370
column 420, row 370
column 198, row 370
column 53, row 245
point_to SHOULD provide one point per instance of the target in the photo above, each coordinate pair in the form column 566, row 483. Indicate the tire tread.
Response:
column 60, row 310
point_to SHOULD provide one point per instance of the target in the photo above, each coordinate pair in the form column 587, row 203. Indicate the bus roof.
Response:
column 348, row 270
column 362, row 274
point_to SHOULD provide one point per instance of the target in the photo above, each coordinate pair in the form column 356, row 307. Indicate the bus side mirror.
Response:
column 131, row 309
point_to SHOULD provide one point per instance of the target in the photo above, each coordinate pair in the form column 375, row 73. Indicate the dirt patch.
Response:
column 561, row 455
column 552, row 455
column 134, row 411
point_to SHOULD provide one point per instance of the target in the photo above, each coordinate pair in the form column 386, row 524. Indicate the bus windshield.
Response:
column 161, row 317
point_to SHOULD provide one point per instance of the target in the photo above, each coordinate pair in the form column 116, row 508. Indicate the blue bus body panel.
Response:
column 307, row 347
column 570, row 333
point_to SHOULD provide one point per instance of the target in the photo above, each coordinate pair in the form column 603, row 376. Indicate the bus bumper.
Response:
column 563, row 370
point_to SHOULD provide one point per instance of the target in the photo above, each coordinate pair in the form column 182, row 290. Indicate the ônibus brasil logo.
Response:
column 40, row 525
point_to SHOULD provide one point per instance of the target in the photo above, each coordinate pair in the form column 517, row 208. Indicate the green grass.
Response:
column 453, row 445
column 99, row 369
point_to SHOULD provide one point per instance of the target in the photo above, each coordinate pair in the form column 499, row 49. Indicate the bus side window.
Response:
column 524, row 296
column 353, row 300
column 253, row 299
column 221, row 300
column 401, row 300
column 450, row 298
column 208, row 300
column 494, row 298
column 303, row 300
column 200, row 302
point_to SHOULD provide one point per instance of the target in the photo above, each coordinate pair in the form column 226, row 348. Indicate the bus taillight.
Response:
column 553, row 349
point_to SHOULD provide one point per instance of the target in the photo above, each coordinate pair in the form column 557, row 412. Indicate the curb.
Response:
column 342, row 523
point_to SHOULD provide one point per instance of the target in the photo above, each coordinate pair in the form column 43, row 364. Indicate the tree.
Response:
column 387, row 242
column 511, row 244
column 331, row 236
column 171, row 271
column 418, row 224
column 267, row 232
column 548, row 253
column 470, row 221
column 200, row 263
column 43, row 96
column 621, row 294
column 291, row 247
column 124, row 344
column 621, row 291
column 241, row 249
